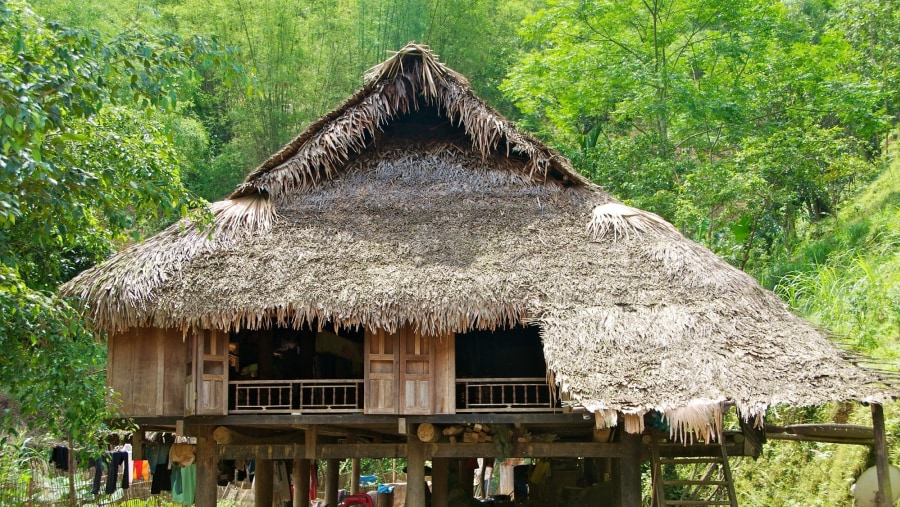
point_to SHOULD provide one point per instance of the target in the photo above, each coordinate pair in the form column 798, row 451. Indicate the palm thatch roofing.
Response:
column 416, row 204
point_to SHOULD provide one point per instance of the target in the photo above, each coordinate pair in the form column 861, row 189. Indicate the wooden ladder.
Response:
column 716, row 487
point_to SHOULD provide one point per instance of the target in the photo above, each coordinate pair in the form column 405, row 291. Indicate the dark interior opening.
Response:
column 503, row 353
column 426, row 123
column 297, row 354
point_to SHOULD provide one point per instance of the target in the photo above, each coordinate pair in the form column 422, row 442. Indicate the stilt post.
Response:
column 332, row 470
column 415, row 472
column 207, row 468
column 885, row 495
column 263, row 483
column 300, row 479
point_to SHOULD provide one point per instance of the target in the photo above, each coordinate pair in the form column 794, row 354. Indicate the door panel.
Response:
column 206, row 382
column 212, row 390
column 416, row 372
column 380, row 372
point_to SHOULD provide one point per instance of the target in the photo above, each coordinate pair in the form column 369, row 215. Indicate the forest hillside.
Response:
column 845, row 276
column 764, row 129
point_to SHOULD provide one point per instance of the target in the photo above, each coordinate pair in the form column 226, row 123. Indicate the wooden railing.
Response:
column 295, row 396
column 503, row 395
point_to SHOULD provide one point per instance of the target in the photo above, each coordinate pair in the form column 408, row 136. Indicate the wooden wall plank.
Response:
column 445, row 374
column 144, row 367
column 174, row 370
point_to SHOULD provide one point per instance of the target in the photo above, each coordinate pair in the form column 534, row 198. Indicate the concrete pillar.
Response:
column 207, row 468
column 332, row 473
column 300, row 478
column 263, row 483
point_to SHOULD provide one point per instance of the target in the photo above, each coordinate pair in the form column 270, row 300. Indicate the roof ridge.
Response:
column 393, row 88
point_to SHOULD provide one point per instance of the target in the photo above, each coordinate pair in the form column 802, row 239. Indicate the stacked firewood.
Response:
column 469, row 433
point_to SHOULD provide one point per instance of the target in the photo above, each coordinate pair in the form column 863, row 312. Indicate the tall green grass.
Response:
column 845, row 277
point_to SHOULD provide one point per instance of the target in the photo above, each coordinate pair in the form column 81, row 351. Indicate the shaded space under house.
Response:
column 412, row 261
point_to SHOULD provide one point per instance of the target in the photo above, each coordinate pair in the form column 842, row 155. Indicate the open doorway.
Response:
column 502, row 370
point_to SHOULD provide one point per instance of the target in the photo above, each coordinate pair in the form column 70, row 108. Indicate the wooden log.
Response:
column 482, row 427
column 223, row 435
column 456, row 429
column 428, row 433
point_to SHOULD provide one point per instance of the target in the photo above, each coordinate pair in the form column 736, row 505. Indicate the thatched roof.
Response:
column 415, row 203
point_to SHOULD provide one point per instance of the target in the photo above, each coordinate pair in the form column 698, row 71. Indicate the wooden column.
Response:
column 137, row 445
column 207, row 468
column 627, row 472
column 300, row 478
column 263, row 483
column 467, row 477
column 440, row 469
column 885, row 495
column 332, row 469
column 354, row 469
column 415, row 472
column 310, row 438
column 354, row 476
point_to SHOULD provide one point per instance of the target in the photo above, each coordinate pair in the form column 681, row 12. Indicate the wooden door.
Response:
column 381, row 393
column 206, row 384
column 212, row 390
column 416, row 372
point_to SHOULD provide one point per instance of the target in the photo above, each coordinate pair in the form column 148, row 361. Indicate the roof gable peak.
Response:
column 408, row 80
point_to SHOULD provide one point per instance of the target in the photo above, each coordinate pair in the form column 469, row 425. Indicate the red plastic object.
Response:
column 358, row 499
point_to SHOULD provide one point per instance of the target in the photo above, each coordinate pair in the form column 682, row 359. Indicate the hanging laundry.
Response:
column 157, row 454
column 184, row 483
column 113, row 462
column 118, row 459
column 162, row 479
column 59, row 456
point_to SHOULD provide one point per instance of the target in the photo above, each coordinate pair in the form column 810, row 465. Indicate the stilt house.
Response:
column 412, row 265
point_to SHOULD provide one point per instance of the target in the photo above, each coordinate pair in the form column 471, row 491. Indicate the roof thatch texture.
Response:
column 414, row 203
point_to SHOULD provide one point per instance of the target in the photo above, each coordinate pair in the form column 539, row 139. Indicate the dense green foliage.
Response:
column 844, row 274
column 750, row 124
column 735, row 120
column 308, row 56
column 85, row 161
